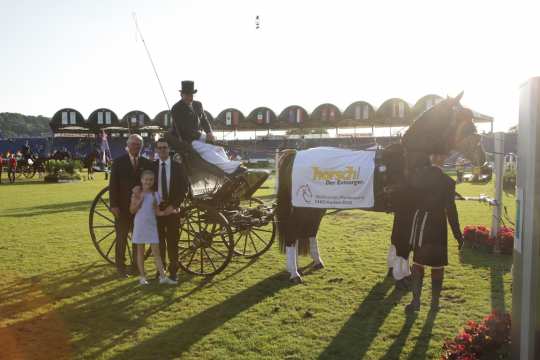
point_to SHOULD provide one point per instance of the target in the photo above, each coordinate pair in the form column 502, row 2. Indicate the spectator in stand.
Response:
column 12, row 168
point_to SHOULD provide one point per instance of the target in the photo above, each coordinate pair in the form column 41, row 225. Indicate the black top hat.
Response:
column 188, row 87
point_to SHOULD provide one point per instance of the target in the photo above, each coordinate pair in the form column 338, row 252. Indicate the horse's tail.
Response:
column 284, row 199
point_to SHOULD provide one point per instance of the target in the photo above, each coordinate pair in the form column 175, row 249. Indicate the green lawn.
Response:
column 59, row 299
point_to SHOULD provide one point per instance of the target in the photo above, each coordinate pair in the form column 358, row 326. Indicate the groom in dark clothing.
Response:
column 125, row 175
column 172, row 186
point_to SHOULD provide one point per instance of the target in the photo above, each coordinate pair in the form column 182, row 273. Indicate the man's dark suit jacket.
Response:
column 178, row 186
column 124, row 178
column 190, row 121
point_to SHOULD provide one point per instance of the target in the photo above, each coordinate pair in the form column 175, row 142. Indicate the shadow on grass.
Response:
column 190, row 331
column 422, row 341
column 394, row 351
column 355, row 337
column 48, row 209
column 498, row 265
column 98, row 310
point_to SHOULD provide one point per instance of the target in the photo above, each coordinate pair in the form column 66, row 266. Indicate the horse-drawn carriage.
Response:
column 220, row 218
column 27, row 166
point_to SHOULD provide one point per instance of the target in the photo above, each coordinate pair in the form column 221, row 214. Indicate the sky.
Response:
column 87, row 55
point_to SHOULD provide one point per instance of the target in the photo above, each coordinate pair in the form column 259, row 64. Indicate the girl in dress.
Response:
column 144, row 205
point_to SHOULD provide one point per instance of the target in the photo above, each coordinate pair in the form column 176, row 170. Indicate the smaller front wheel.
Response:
column 254, row 228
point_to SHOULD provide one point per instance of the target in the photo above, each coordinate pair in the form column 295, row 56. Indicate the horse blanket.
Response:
column 332, row 178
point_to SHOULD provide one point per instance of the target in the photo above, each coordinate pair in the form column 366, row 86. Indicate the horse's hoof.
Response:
column 318, row 266
column 296, row 280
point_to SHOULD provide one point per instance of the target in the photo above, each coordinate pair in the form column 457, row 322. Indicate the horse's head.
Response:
column 444, row 128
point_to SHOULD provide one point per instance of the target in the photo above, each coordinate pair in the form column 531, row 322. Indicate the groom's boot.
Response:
column 417, row 282
column 437, row 276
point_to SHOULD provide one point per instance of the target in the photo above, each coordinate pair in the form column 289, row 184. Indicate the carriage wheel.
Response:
column 29, row 172
column 205, row 246
column 101, row 225
column 256, row 237
column 19, row 172
column 103, row 231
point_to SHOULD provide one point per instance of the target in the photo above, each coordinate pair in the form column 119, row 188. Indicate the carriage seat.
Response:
column 208, row 180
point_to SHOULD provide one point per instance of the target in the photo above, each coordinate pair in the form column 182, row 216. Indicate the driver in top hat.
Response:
column 193, row 127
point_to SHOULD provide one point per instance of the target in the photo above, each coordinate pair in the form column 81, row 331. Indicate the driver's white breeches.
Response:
column 215, row 155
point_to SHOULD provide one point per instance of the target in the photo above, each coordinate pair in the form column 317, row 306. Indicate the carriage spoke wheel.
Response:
column 255, row 235
column 205, row 246
column 19, row 171
column 103, row 231
column 29, row 171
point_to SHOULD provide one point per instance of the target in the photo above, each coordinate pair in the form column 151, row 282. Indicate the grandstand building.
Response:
column 326, row 125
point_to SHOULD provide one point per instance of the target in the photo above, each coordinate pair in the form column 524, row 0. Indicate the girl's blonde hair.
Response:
column 148, row 173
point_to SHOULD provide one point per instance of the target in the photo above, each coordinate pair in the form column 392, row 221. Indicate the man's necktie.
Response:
column 164, row 190
column 135, row 163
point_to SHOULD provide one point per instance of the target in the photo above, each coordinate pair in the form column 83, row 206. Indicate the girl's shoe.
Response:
column 143, row 281
column 168, row 281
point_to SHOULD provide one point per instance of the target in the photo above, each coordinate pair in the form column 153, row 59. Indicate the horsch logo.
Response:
column 348, row 176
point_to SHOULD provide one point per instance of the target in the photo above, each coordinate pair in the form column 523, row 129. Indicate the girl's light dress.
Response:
column 145, row 223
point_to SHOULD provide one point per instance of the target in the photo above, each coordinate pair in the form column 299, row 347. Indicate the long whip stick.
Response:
column 151, row 61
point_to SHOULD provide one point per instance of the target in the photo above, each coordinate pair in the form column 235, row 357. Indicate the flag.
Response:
column 357, row 111
column 299, row 116
column 105, row 150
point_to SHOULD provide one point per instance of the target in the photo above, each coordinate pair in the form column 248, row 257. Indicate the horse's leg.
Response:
column 314, row 252
column 292, row 262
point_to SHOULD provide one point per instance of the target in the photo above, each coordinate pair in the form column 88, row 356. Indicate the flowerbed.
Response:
column 489, row 339
column 478, row 237
column 62, row 170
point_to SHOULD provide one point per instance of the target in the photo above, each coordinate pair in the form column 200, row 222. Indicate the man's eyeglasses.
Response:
column 162, row 147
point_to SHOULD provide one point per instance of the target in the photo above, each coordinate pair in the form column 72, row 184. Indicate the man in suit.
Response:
column 172, row 186
column 125, row 175
column 189, row 122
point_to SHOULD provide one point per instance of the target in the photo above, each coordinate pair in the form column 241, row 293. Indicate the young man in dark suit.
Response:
column 125, row 175
column 172, row 186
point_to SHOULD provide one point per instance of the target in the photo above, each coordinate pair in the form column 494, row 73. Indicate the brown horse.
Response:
column 442, row 129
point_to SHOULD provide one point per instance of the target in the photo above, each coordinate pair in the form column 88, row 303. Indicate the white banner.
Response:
column 332, row 178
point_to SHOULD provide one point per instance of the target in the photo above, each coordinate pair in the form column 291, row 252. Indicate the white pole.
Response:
column 276, row 172
column 499, row 165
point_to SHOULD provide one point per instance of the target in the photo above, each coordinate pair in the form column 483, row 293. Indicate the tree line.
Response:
column 19, row 125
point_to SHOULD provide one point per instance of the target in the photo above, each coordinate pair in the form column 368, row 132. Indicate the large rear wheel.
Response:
column 205, row 246
column 103, row 231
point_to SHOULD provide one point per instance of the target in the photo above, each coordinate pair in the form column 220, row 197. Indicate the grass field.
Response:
column 60, row 300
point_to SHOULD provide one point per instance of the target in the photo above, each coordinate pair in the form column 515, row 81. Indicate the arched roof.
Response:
column 325, row 114
column 359, row 113
column 230, row 118
column 102, row 118
column 67, row 119
column 394, row 112
column 293, row 115
column 163, row 119
column 425, row 102
column 262, row 117
column 135, row 119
